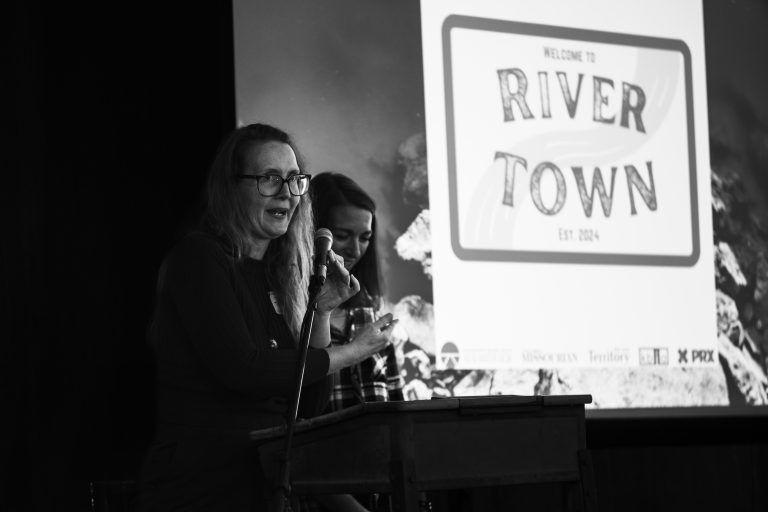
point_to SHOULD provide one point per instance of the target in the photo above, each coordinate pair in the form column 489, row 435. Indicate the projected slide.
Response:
column 565, row 193
column 548, row 218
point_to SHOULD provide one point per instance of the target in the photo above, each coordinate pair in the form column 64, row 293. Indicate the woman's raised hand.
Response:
column 339, row 286
column 373, row 337
column 368, row 341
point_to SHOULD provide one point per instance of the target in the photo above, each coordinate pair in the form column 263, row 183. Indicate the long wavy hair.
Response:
column 330, row 190
column 288, row 257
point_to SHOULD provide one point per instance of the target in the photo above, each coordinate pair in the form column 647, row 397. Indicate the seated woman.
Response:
column 231, row 298
column 349, row 212
column 342, row 206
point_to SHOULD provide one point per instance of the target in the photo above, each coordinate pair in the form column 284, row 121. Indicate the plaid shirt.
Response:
column 376, row 379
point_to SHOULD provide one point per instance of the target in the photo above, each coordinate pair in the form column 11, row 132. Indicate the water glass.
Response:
column 360, row 317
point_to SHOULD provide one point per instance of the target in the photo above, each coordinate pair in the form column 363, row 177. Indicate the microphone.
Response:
column 323, row 242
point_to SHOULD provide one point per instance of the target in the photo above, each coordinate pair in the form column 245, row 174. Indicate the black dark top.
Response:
column 226, row 365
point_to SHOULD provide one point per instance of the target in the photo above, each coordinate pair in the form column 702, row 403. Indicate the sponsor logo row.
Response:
column 451, row 357
column 660, row 356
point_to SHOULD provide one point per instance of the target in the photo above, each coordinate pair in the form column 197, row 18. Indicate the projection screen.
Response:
column 549, row 220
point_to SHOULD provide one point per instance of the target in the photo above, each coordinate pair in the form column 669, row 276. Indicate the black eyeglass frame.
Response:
column 258, row 178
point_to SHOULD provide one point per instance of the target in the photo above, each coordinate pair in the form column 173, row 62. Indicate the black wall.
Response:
column 119, row 108
column 117, row 111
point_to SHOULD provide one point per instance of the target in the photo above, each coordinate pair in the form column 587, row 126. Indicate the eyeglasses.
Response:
column 270, row 185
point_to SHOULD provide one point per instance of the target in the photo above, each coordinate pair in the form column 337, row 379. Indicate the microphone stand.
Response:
column 316, row 282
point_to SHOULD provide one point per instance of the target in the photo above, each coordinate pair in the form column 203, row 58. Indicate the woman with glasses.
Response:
column 342, row 206
column 230, row 303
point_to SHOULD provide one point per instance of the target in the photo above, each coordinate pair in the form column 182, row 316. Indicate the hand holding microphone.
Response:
column 337, row 283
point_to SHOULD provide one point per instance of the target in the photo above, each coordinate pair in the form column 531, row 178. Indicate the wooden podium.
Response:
column 402, row 448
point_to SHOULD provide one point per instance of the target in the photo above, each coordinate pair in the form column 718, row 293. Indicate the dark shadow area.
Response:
column 118, row 110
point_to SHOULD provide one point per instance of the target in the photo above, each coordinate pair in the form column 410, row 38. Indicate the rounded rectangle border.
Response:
column 573, row 34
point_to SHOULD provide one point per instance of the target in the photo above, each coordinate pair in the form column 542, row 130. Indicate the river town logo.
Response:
column 449, row 355
column 654, row 356
column 607, row 212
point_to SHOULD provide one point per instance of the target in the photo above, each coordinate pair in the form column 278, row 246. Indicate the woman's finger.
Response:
column 383, row 320
column 386, row 322
column 334, row 259
column 336, row 262
column 354, row 284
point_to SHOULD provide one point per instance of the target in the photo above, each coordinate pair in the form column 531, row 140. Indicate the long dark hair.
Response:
column 288, row 256
column 330, row 190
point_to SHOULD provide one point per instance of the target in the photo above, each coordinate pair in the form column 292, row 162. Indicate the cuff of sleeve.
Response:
column 318, row 362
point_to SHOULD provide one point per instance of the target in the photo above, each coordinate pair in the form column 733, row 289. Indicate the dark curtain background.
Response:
column 116, row 110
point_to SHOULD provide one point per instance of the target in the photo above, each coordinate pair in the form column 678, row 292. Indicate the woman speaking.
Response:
column 231, row 299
